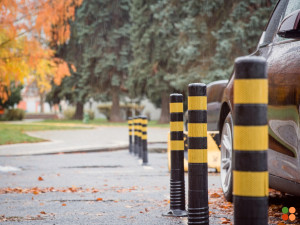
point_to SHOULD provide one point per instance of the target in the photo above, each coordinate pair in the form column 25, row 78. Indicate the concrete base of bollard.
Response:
column 176, row 213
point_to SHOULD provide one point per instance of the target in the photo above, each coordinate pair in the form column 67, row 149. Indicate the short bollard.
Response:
column 136, row 132
column 141, row 138
column 144, row 139
column 140, row 144
column 130, row 121
column 250, row 142
column 198, row 211
column 177, row 188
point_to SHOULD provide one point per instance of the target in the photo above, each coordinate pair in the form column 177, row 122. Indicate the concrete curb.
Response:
column 158, row 147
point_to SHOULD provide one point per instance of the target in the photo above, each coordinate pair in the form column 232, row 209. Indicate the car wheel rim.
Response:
column 226, row 157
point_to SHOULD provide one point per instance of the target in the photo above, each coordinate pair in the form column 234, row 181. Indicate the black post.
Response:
column 140, row 155
column 130, row 133
column 139, row 137
column 197, row 155
column 250, row 145
column 177, row 187
column 144, row 138
column 136, row 132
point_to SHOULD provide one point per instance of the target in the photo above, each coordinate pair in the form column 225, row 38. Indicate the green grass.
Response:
column 103, row 122
column 14, row 133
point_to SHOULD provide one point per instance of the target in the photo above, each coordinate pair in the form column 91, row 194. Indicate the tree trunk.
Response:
column 164, row 115
column 79, row 111
column 115, row 115
column 42, row 110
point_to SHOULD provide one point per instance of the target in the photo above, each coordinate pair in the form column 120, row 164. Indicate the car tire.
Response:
column 226, row 157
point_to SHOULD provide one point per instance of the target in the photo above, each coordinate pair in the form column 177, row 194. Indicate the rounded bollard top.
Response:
column 175, row 97
column 197, row 89
column 250, row 67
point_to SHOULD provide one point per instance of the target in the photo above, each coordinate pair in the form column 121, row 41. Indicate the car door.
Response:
column 283, row 57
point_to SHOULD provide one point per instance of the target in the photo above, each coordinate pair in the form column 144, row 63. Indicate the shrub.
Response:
column 126, row 109
column 91, row 114
column 69, row 113
column 14, row 114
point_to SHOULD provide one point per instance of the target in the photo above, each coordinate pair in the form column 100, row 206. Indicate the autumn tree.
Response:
column 28, row 30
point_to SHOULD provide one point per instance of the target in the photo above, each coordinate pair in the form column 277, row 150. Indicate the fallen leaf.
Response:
column 42, row 212
column 35, row 192
column 99, row 199
column 64, row 204
column 122, row 217
column 215, row 195
column 146, row 210
column 40, row 179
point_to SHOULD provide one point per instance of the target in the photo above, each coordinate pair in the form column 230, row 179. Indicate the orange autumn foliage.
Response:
column 27, row 28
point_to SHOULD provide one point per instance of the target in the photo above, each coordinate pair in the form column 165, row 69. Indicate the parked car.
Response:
column 280, row 46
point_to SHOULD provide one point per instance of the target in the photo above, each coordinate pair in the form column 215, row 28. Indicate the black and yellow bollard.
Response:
column 250, row 142
column 139, row 136
column 177, row 187
column 136, row 132
column 144, row 140
column 130, row 123
column 198, row 211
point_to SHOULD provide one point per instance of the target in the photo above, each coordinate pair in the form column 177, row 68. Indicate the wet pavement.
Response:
column 109, row 188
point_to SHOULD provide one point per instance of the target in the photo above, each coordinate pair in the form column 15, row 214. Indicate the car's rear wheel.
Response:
column 226, row 157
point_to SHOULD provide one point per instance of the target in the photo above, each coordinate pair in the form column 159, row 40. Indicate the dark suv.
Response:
column 280, row 46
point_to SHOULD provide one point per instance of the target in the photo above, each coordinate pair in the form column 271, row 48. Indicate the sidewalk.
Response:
column 97, row 139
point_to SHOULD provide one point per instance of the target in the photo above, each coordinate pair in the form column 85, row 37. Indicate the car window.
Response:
column 274, row 23
column 291, row 7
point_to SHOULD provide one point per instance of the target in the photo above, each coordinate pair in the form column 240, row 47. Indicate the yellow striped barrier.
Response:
column 198, row 211
column 130, row 124
column 250, row 142
column 177, row 187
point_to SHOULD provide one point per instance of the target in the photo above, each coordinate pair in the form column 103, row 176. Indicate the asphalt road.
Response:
column 109, row 188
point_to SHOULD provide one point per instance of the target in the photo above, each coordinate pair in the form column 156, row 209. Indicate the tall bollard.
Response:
column 130, row 122
column 144, row 139
column 197, row 155
column 177, row 188
column 136, row 132
column 250, row 142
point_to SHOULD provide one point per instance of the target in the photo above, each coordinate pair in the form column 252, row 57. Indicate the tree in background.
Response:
column 26, row 31
column 153, row 36
column 14, row 96
column 100, row 35
column 175, row 43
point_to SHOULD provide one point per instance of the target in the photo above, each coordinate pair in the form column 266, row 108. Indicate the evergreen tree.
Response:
column 103, row 30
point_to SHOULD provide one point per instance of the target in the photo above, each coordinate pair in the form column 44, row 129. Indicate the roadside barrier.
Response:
column 140, row 142
column 250, row 168
column 144, row 140
column 135, row 122
column 198, row 211
column 130, row 123
column 177, row 187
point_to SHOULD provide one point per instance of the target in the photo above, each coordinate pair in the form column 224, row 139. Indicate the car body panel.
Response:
column 283, row 58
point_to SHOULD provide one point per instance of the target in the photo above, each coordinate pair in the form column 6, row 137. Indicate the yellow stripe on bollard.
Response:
column 245, row 183
column 177, row 145
column 197, row 155
column 250, row 138
column 176, row 126
column 176, row 107
column 197, row 103
column 251, row 91
column 197, row 129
